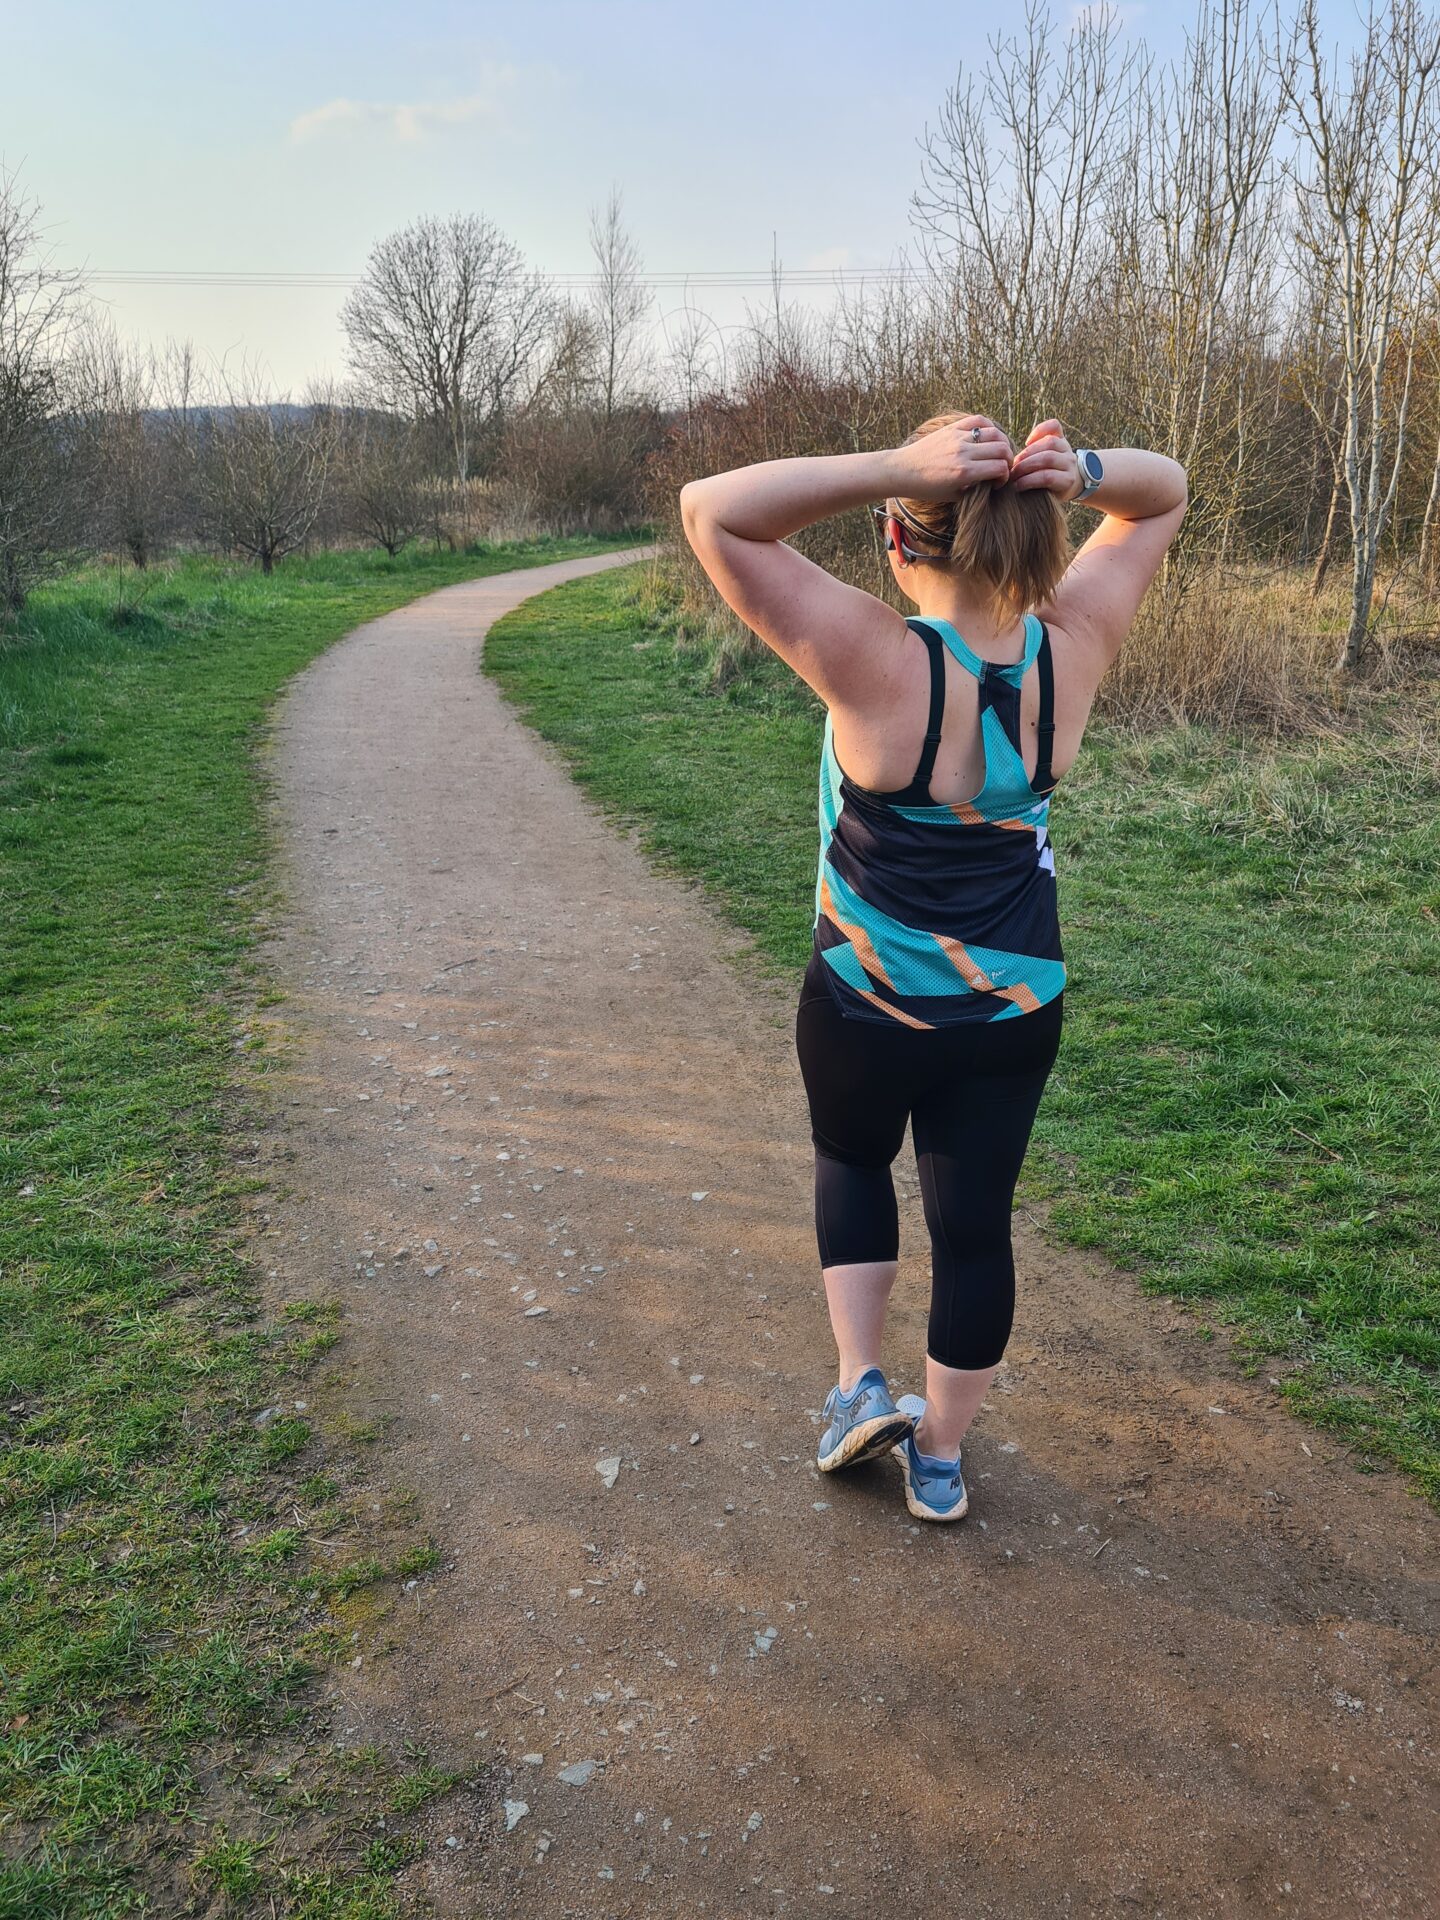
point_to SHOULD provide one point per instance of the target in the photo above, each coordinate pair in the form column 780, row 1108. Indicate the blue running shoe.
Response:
column 862, row 1424
column 934, row 1489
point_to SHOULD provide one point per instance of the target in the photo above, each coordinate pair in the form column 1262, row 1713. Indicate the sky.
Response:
column 287, row 138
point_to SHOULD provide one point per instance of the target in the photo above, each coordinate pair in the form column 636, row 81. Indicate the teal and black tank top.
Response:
column 932, row 915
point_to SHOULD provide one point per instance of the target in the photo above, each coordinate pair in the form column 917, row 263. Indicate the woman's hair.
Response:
column 1017, row 545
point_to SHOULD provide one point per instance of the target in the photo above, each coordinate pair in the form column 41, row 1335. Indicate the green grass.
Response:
column 160, row 1611
column 1244, row 1112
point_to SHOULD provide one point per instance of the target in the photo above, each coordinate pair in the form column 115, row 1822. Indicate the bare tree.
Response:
column 574, row 454
column 568, row 378
column 1312, row 361
column 383, row 479
column 693, row 367
column 619, row 302
column 1195, row 258
column 263, row 467
column 176, row 423
column 1369, row 225
column 38, row 306
column 1015, row 181
column 445, row 325
column 121, row 444
column 1426, row 553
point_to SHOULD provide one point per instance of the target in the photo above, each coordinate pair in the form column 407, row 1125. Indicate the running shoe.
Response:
column 861, row 1424
column 934, row 1489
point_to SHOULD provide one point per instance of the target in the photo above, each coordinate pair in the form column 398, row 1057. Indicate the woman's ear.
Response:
column 897, row 543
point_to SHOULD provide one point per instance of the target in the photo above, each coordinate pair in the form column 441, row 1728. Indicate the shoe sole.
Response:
column 867, row 1441
column 917, row 1506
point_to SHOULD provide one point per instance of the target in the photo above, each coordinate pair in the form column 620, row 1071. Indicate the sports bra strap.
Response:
column 935, row 648
column 1044, row 779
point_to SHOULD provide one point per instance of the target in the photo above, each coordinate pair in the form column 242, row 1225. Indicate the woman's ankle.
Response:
column 953, row 1397
column 926, row 1443
column 849, row 1376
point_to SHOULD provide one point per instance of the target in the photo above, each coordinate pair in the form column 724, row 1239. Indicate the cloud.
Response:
column 406, row 120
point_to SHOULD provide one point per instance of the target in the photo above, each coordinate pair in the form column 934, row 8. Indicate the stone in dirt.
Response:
column 515, row 1812
column 609, row 1469
column 578, row 1773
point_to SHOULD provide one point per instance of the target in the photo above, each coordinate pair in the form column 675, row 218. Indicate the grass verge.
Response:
column 161, row 1480
column 1244, row 1111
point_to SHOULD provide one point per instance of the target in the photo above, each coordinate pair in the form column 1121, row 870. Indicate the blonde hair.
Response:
column 1017, row 545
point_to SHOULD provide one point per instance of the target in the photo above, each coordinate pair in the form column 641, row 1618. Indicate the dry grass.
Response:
column 1247, row 647
column 1254, row 647
column 1232, row 649
column 484, row 512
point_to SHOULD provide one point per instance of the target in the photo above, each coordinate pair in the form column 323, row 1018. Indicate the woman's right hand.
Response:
column 940, row 465
column 1048, row 462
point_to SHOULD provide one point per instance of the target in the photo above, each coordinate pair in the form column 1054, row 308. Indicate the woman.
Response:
column 935, row 985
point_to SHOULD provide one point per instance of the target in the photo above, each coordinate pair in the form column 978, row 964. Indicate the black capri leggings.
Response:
column 971, row 1094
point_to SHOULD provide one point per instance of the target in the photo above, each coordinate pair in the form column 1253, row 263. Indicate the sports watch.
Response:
column 1092, row 472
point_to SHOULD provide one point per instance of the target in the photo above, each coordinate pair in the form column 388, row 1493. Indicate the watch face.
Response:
column 1094, row 471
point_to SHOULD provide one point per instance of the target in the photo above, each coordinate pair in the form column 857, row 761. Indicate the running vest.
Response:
column 933, row 915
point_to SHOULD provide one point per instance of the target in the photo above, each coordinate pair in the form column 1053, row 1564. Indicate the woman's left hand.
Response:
column 1047, row 461
column 943, row 464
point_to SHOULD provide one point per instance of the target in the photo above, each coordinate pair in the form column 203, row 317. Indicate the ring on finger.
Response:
column 975, row 433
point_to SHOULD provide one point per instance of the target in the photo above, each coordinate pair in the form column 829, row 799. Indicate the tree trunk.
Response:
column 1429, row 520
column 1361, row 599
column 1327, row 540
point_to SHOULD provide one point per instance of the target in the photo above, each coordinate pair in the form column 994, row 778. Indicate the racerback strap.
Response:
column 935, row 647
column 1044, row 779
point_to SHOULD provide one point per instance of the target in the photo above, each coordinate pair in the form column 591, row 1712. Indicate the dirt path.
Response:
column 1180, row 1661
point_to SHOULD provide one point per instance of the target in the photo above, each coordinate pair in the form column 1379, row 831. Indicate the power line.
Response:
column 564, row 282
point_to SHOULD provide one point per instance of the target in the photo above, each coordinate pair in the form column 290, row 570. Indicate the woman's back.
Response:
column 933, row 913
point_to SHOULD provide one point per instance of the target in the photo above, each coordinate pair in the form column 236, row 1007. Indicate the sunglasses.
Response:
column 885, row 514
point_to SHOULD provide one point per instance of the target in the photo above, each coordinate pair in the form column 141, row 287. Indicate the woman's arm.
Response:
column 1137, row 485
column 1143, row 498
column 737, row 523
column 779, row 497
